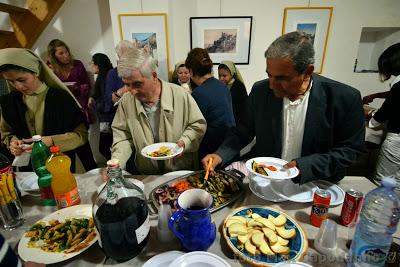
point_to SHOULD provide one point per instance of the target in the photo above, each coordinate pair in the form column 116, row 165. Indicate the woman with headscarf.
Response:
column 181, row 76
column 230, row 75
column 38, row 104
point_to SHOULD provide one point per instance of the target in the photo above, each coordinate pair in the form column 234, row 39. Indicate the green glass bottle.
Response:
column 40, row 153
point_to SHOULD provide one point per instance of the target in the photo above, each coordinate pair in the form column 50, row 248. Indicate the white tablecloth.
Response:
column 88, row 184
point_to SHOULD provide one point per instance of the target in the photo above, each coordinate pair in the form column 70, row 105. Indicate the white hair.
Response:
column 136, row 59
column 122, row 47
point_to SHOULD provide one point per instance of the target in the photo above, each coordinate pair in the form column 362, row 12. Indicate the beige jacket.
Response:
column 180, row 119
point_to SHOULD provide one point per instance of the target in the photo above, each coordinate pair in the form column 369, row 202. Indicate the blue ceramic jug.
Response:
column 191, row 224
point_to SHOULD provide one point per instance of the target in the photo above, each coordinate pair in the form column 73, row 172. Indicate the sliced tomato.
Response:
column 269, row 167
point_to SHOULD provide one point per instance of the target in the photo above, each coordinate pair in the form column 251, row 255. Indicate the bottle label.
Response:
column 373, row 254
column 46, row 192
column 143, row 230
column 68, row 199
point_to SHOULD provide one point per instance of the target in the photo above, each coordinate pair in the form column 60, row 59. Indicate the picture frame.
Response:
column 150, row 32
column 312, row 20
column 225, row 38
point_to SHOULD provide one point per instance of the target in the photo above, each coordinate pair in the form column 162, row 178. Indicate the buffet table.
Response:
column 88, row 184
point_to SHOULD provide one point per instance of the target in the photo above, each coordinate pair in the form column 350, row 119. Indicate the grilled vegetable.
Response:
column 258, row 169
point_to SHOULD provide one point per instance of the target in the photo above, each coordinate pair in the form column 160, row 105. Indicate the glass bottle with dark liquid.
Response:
column 121, row 216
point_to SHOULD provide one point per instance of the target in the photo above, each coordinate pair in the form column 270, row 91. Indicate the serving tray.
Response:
column 234, row 176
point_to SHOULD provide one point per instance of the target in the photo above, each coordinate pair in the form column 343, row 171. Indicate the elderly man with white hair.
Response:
column 154, row 111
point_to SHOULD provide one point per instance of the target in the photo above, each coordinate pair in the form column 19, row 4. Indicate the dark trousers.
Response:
column 105, row 144
column 86, row 156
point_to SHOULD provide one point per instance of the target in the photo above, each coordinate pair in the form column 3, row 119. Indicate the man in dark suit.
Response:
column 314, row 123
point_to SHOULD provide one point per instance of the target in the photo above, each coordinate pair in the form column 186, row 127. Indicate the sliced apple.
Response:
column 237, row 229
column 266, row 223
column 254, row 223
column 278, row 248
column 279, row 220
column 266, row 250
column 286, row 233
column 239, row 218
column 271, row 235
column 282, row 241
column 255, row 215
column 243, row 238
column 250, row 248
column 229, row 222
column 257, row 239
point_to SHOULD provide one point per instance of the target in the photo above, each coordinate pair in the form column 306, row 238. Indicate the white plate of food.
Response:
column 271, row 168
column 161, row 151
column 71, row 220
column 305, row 193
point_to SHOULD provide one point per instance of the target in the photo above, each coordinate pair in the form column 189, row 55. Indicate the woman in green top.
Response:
column 38, row 104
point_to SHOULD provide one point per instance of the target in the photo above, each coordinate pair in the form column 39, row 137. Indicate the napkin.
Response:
column 22, row 160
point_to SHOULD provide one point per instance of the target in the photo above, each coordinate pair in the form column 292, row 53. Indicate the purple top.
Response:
column 79, row 75
column 113, row 83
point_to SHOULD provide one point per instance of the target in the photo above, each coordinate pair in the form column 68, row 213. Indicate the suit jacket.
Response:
column 333, row 132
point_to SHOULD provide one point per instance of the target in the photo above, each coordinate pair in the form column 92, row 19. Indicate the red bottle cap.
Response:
column 55, row 149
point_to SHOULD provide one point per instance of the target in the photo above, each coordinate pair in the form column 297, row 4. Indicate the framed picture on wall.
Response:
column 316, row 22
column 225, row 38
column 148, row 32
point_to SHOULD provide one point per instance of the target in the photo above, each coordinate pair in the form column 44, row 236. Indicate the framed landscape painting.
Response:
column 148, row 32
column 314, row 21
column 224, row 38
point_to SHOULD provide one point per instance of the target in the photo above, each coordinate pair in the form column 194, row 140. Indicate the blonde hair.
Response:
column 136, row 59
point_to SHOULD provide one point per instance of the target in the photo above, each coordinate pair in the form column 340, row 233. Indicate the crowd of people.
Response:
column 314, row 123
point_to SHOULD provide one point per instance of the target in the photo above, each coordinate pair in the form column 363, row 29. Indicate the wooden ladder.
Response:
column 27, row 23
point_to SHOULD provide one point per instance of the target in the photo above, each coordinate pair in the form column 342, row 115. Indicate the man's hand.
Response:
column 368, row 99
column 179, row 143
column 216, row 161
column 16, row 147
column 290, row 164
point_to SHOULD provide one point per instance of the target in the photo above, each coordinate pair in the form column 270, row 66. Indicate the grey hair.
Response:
column 136, row 59
column 296, row 46
column 122, row 47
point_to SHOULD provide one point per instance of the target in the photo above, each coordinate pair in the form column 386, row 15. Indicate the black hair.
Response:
column 389, row 62
column 103, row 62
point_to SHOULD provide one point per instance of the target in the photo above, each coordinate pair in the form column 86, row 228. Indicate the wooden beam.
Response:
column 28, row 26
column 4, row 33
column 12, row 9
column 8, row 41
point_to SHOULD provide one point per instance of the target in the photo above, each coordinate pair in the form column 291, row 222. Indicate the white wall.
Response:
column 85, row 26
column 92, row 26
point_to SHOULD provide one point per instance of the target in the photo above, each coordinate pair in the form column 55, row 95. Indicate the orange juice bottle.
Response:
column 63, row 183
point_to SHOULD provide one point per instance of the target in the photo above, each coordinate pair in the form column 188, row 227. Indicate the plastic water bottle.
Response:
column 40, row 153
column 378, row 221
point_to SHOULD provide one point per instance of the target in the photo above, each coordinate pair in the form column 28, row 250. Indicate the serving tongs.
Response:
column 210, row 161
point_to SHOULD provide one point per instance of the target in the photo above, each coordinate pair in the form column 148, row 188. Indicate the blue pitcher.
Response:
column 191, row 224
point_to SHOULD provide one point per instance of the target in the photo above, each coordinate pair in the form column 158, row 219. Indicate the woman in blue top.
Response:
column 212, row 97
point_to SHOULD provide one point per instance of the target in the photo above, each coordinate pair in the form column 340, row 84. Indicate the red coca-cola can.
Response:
column 320, row 207
column 351, row 207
